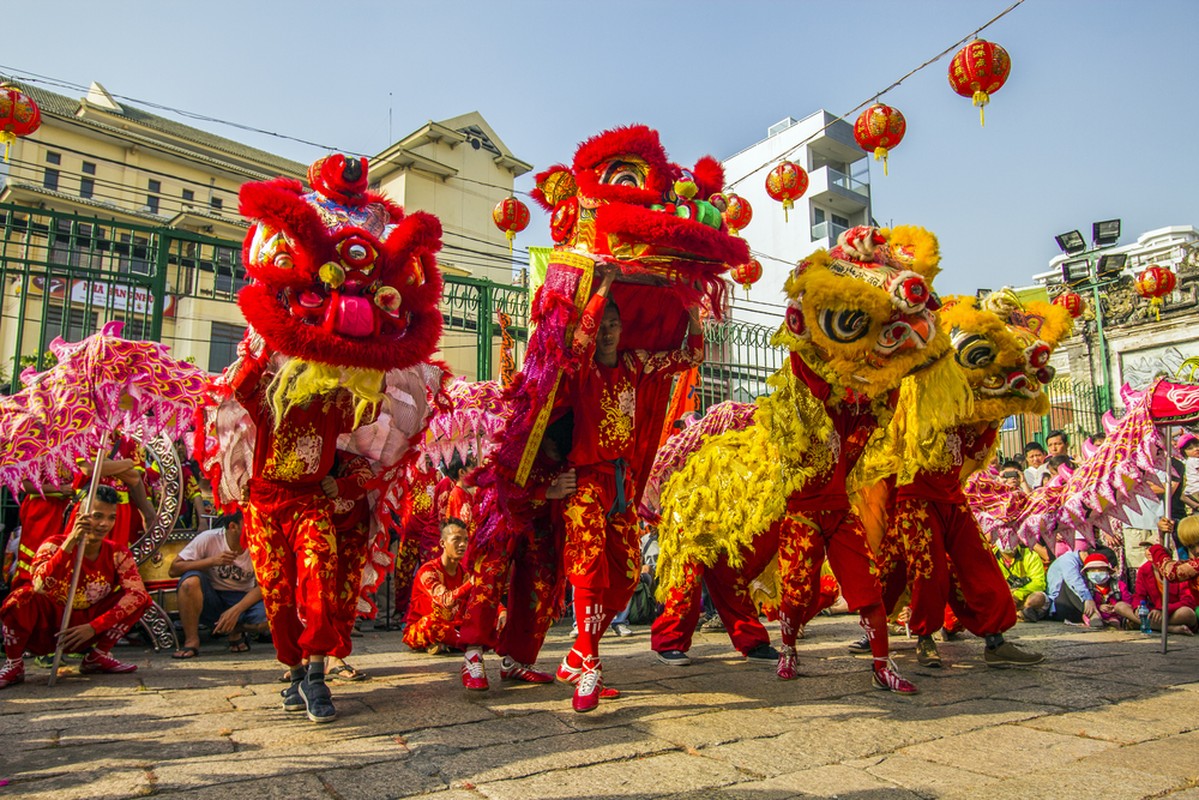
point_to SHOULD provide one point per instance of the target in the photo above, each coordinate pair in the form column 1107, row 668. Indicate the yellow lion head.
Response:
column 1003, row 347
column 862, row 314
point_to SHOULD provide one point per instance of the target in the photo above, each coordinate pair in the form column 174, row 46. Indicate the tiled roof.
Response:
column 62, row 106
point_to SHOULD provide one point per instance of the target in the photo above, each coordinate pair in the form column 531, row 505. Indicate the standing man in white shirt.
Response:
column 217, row 587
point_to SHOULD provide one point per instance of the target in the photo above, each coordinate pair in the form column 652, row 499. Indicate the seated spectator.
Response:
column 1182, row 617
column 109, row 600
column 217, row 587
column 1025, row 575
column 439, row 595
column 1105, row 590
column 1068, row 596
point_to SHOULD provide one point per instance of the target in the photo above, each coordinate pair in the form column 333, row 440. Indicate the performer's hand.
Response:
column 563, row 486
column 1089, row 608
column 606, row 282
column 1165, row 525
column 75, row 637
column 227, row 621
column 501, row 620
column 79, row 533
column 329, row 486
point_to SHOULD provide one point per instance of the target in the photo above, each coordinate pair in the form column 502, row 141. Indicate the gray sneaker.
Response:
column 861, row 645
column 621, row 629
column 763, row 652
column 1009, row 655
column 292, row 701
column 318, row 700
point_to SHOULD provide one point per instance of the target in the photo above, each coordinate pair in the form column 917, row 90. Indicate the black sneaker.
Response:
column 861, row 645
column 292, row 702
column 318, row 700
column 763, row 652
column 675, row 658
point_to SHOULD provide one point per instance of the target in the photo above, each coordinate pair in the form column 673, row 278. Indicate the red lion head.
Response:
column 625, row 201
column 340, row 275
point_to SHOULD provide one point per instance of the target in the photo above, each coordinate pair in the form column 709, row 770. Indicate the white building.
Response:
column 838, row 198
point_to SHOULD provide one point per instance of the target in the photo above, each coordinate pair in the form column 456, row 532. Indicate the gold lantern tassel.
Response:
column 981, row 99
column 881, row 152
column 511, row 235
column 8, row 137
column 788, row 204
column 1156, row 305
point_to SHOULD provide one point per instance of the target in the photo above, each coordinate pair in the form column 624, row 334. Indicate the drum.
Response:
column 155, row 570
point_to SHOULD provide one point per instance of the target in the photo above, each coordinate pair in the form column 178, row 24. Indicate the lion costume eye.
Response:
column 973, row 351
column 623, row 173
column 844, row 327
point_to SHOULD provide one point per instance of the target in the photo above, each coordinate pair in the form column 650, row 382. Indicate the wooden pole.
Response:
column 1166, row 542
column 79, row 548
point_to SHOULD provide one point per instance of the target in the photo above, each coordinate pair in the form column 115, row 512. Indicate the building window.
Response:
column 188, row 196
column 228, row 277
column 89, row 168
column 223, row 350
column 216, row 203
column 133, row 256
column 87, row 187
column 76, row 326
column 155, row 187
column 53, row 158
column 50, row 179
column 77, row 247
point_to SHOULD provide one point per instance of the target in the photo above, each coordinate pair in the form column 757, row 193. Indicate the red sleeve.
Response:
column 134, row 597
column 245, row 384
column 670, row 361
column 355, row 478
column 584, row 339
column 52, row 567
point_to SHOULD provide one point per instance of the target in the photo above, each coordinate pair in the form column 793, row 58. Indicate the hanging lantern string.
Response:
column 874, row 97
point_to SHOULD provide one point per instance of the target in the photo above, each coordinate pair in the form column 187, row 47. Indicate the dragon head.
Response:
column 340, row 276
column 862, row 314
column 1003, row 347
column 624, row 201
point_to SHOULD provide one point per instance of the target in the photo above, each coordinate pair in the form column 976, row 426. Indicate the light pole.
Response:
column 1084, row 271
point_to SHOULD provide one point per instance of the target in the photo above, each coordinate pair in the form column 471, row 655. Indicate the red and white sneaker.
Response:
column 12, row 672
column 887, row 677
column 97, row 661
column 566, row 673
column 589, row 688
column 474, row 675
column 788, row 667
column 515, row 671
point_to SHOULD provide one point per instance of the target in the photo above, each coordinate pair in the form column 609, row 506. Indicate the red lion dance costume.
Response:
column 621, row 209
column 331, row 385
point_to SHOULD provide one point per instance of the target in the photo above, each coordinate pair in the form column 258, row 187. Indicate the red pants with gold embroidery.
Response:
column 602, row 551
column 729, row 590
column 294, row 547
column 432, row 629
column 804, row 542
column 938, row 538
column 353, row 548
column 31, row 622
column 530, row 573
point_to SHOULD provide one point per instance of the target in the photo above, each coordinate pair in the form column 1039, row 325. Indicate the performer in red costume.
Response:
column 420, row 539
column 109, row 600
column 602, row 548
column 439, row 594
column 526, row 564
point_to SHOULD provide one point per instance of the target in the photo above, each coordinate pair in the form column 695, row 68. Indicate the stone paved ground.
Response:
column 1106, row 716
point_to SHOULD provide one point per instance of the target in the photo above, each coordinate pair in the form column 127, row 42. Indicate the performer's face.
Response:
column 608, row 340
column 453, row 543
column 103, row 518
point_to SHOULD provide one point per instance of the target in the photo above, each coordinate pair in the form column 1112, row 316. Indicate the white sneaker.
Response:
column 621, row 629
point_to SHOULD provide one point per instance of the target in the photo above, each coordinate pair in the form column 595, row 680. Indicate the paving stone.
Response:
column 1006, row 750
column 380, row 781
column 920, row 776
column 106, row 784
column 831, row 781
column 1071, row 782
column 278, row 787
column 1171, row 757
column 654, row 776
column 1138, row 720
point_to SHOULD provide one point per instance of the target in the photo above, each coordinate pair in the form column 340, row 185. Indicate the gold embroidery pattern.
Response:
column 618, row 404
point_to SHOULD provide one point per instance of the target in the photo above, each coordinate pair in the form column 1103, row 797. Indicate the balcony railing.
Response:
column 848, row 183
column 827, row 231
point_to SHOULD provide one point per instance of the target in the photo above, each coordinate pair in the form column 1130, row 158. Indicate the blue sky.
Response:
column 1096, row 121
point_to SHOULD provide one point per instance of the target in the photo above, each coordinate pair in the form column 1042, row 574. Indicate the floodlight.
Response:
column 1076, row 271
column 1106, row 232
column 1071, row 242
column 1111, row 264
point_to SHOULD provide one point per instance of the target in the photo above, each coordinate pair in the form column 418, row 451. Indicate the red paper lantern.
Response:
column 1154, row 284
column 511, row 216
column 979, row 70
column 748, row 274
column 878, row 129
column 786, row 183
column 1071, row 301
column 737, row 213
column 19, row 115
